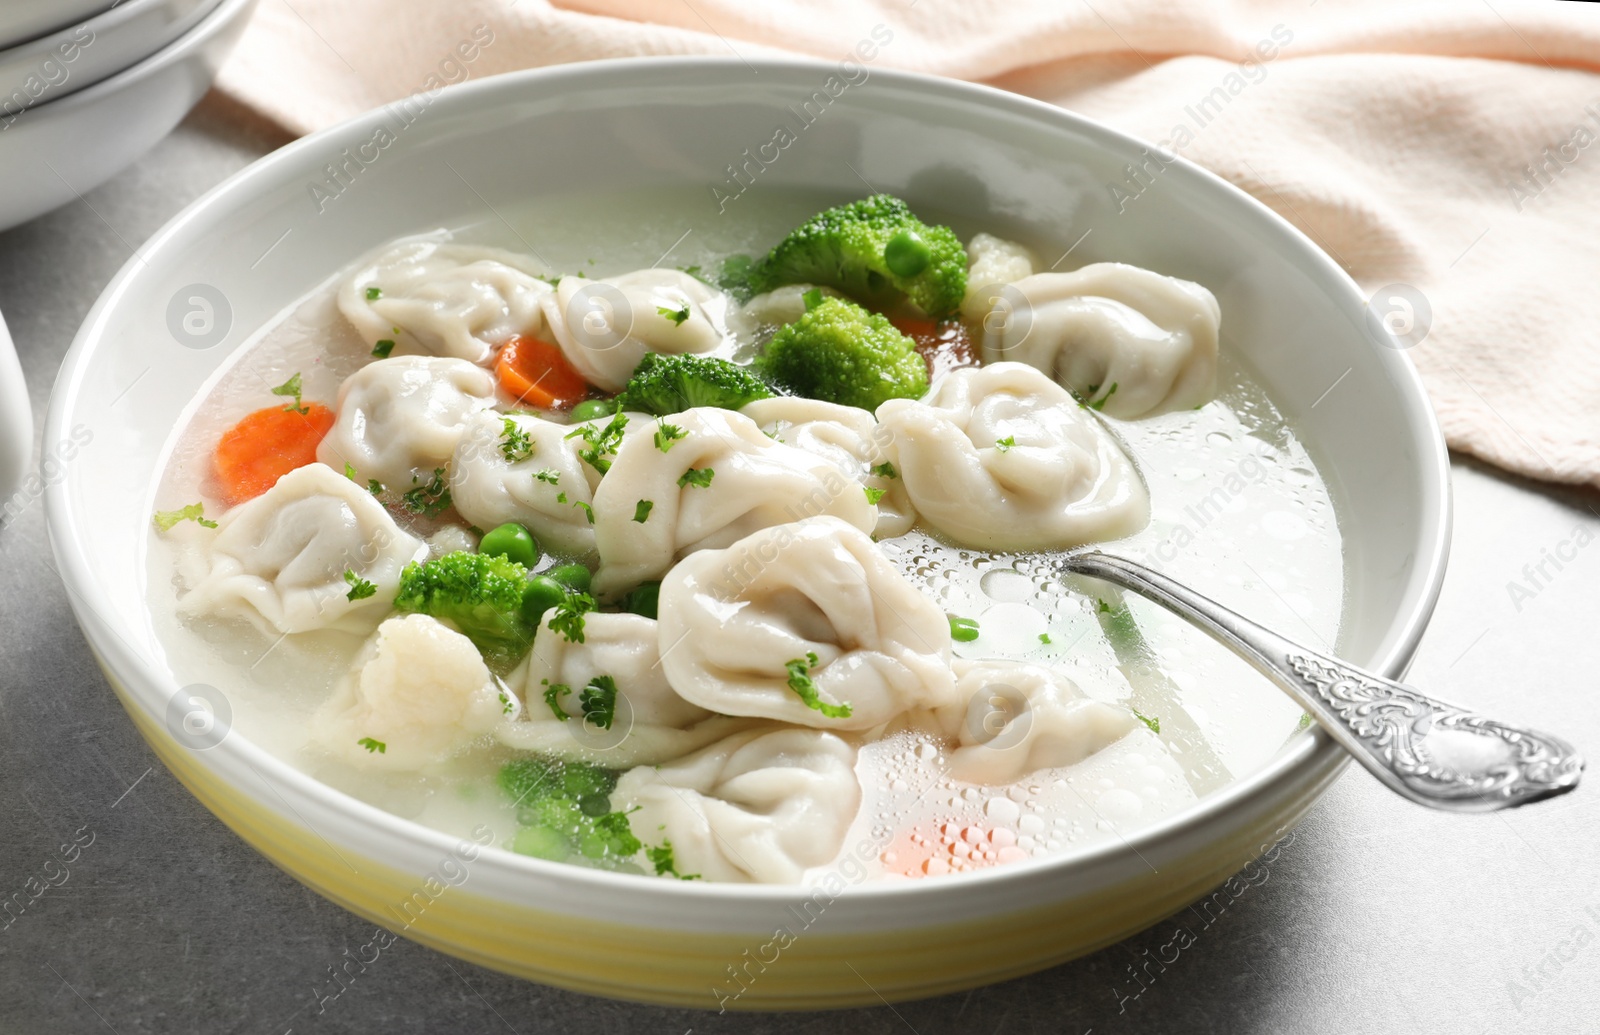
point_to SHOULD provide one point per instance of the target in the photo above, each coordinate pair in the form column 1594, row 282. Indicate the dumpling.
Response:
column 714, row 485
column 289, row 558
column 1002, row 458
column 992, row 263
column 852, row 439
column 820, row 593
column 542, row 483
column 419, row 694
column 759, row 806
column 1134, row 342
column 650, row 723
column 400, row 419
column 605, row 327
column 444, row 299
column 1012, row 719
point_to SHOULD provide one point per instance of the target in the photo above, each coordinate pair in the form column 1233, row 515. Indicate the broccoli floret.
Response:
column 873, row 250
column 480, row 594
column 735, row 277
column 671, row 384
column 841, row 353
column 565, row 809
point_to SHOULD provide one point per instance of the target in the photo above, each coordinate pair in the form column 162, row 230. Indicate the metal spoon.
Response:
column 1433, row 752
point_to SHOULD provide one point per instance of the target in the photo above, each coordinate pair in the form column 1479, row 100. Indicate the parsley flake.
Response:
column 429, row 500
column 1100, row 403
column 566, row 618
column 383, row 348
column 677, row 316
column 196, row 512
column 350, row 472
column 1154, row 724
column 372, row 746
column 360, row 588
column 599, row 702
column 666, row 434
column 374, row 293
column 516, row 445
column 374, row 486
column 886, row 470
column 548, row 476
column 800, row 682
column 601, row 442
column 641, row 510
column 292, row 387
column 661, row 858
column 1006, row 444
column 698, row 477
column 553, row 692
column 874, row 495
column 1044, row 638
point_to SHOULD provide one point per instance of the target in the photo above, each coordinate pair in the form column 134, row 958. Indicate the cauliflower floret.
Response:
column 994, row 261
column 419, row 694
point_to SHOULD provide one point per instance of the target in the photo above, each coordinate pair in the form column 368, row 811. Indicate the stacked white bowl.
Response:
column 87, row 86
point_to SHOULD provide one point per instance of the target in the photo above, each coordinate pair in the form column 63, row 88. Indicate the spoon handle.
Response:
column 1431, row 751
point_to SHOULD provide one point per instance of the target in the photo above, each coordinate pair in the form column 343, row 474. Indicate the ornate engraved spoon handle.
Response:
column 1428, row 750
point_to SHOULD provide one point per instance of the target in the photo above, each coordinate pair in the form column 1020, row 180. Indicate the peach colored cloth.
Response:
column 1445, row 144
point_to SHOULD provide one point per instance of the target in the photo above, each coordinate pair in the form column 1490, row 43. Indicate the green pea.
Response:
column 593, row 409
column 644, row 599
column 573, row 576
column 513, row 542
column 963, row 630
column 594, row 805
column 541, row 594
column 906, row 254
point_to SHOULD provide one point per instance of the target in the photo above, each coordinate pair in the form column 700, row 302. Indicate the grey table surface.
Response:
column 1378, row 916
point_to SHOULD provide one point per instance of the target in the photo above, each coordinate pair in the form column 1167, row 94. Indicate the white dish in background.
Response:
column 16, row 421
column 23, row 20
column 71, row 59
column 58, row 150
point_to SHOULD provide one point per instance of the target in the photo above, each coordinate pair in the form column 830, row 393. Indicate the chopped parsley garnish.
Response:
column 1154, row 724
column 812, row 298
column 1006, row 444
column 641, row 510
column 1044, row 638
column 374, row 486
column 963, row 630
column 599, row 702
column 588, row 511
column 874, row 495
column 292, row 387
column 699, row 478
column 383, row 348
column 516, row 445
column 429, row 500
column 373, row 746
column 195, row 512
column 549, row 476
column 505, row 703
column 1100, row 403
column 566, row 618
column 553, row 692
column 661, row 858
column 601, row 443
column 360, row 588
column 800, row 682
column 666, row 434
column 350, row 471
column 374, row 293
column 677, row 316
column 886, row 470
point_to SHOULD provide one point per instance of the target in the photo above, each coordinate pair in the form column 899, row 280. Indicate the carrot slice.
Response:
column 536, row 372
column 253, row 454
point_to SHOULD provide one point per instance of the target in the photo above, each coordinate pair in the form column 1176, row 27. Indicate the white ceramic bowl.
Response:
column 264, row 238
column 60, row 149
column 16, row 424
column 71, row 59
column 23, row 20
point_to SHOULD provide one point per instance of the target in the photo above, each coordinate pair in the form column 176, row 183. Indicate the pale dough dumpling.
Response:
column 650, row 724
column 1134, row 342
column 1001, row 457
column 281, row 559
column 400, row 419
column 759, row 806
column 418, row 695
column 444, row 299
column 992, row 263
column 496, row 477
column 1011, row 719
column 819, row 592
column 605, row 327
column 714, row 485
column 848, row 436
